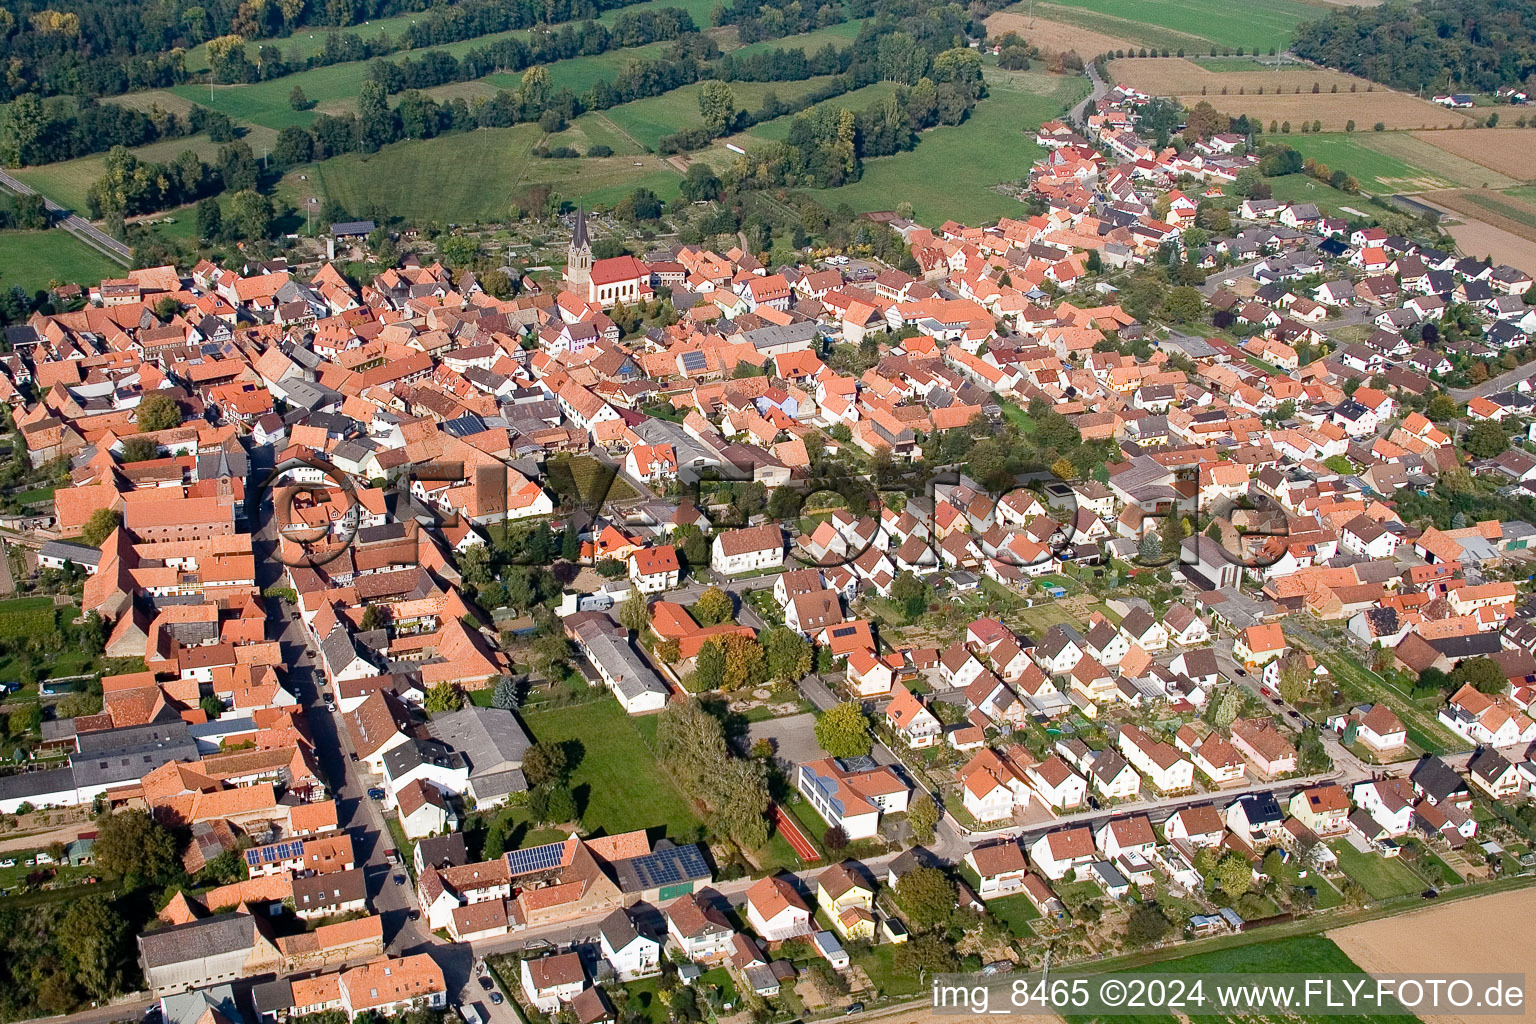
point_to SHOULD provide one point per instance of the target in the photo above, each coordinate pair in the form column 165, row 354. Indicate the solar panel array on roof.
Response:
column 537, row 858
column 275, row 852
column 469, row 423
column 695, row 361
column 666, row 867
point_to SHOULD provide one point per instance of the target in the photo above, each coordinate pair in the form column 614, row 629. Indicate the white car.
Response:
column 7, row 863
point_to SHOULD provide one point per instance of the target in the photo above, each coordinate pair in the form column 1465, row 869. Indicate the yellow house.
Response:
column 847, row 900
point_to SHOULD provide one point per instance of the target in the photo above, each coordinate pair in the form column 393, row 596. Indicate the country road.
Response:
column 76, row 225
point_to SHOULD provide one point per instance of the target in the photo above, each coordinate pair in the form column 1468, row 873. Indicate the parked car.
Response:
column 486, row 984
column 854, row 1008
column 399, row 879
column 9, row 862
column 496, row 998
column 375, row 793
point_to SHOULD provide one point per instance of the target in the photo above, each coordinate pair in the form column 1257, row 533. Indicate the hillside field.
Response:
column 1247, row 23
column 952, row 171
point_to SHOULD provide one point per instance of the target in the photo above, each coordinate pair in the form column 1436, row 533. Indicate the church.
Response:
column 607, row 282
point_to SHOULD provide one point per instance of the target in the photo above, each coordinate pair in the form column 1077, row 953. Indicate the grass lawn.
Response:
column 34, row 260
column 472, row 177
column 1376, row 171
column 68, row 182
column 777, row 130
column 1298, row 188
column 1380, row 876
column 619, row 784
column 1246, row 25
column 647, row 120
column 580, row 74
column 879, row 964
column 307, row 42
column 1357, row 684
column 839, row 35
column 699, row 9
column 999, row 146
column 1016, row 912
column 1311, row 954
column 645, row 995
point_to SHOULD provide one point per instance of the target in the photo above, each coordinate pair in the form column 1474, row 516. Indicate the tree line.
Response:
column 99, row 48
column 1475, row 45
column 37, row 131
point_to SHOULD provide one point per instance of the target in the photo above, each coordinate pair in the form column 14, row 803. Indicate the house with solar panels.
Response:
column 666, row 873
column 853, row 792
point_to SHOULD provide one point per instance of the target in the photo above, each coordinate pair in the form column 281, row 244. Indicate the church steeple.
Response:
column 578, row 260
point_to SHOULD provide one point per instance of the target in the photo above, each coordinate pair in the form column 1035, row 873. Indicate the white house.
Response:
column 1057, row 853
column 552, row 980
column 632, row 954
column 1389, row 802
column 698, row 928
column 747, row 550
column 653, row 570
column 776, row 911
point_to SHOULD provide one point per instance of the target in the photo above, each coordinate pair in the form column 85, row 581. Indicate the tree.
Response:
column 789, row 655
column 843, row 731
column 251, row 215
column 1227, row 707
column 713, row 607
column 1486, row 439
column 634, row 613
column 100, row 526
column 297, row 100
column 911, row 593
column 717, row 105
column 133, row 847
column 558, row 805
column 93, row 937
column 1442, row 408
column 745, row 662
column 1484, row 674
column 376, row 121
column 158, row 412
column 1232, row 875
column 442, row 698
column 927, row 898
column 210, row 219
column 1183, row 305
column 835, row 839
column 923, row 816
column 544, row 763
column 212, row 707
column 1296, row 680
column 709, row 666
column 507, row 696
column 924, row 954
column 1146, row 925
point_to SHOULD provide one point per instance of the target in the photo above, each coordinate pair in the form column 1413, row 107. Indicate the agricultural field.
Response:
column 1287, row 94
column 1299, row 188
column 1054, row 36
column 1247, row 24
column 1377, row 171
column 1505, row 150
column 27, row 616
column 1481, row 226
column 699, row 9
column 997, row 140
column 67, row 183
column 472, row 177
column 33, row 260
column 647, row 120
column 1483, row 933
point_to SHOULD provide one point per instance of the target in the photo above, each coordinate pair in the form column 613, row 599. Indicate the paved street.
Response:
column 1493, row 385
column 76, row 225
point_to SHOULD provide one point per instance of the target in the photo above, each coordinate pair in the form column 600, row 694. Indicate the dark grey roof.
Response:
column 73, row 551
column 222, row 933
column 330, row 890
column 189, row 1007
column 492, row 740
column 273, row 997
column 353, row 227
column 26, row 785
column 618, row 929
column 443, row 851
column 118, row 755
column 408, row 756
column 1436, row 779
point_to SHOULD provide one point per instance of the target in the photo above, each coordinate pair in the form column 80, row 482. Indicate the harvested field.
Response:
column 1369, row 103
column 1053, row 36
column 1484, row 934
column 1506, row 150
column 1479, row 231
column 1411, row 149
